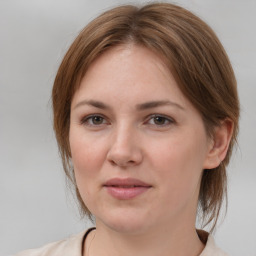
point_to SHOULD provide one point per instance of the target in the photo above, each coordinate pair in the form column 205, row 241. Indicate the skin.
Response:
column 168, row 152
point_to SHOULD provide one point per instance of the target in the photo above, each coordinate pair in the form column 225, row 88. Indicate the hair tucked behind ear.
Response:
column 194, row 55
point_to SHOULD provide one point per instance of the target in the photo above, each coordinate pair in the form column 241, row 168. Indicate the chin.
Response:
column 125, row 221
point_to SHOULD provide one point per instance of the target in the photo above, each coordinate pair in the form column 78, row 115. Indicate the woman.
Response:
column 146, row 115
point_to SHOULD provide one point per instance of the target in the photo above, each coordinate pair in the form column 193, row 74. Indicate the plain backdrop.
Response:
column 35, row 205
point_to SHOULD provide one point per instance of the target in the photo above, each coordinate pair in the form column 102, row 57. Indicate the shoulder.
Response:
column 211, row 248
column 70, row 246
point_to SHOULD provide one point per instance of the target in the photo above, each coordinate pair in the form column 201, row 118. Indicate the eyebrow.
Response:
column 139, row 107
column 94, row 103
column 154, row 104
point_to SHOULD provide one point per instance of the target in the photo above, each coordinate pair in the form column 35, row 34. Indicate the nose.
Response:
column 125, row 149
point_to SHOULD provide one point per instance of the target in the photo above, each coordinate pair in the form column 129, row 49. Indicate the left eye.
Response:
column 93, row 120
column 160, row 120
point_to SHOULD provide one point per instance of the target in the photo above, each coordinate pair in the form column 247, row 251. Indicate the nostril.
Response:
column 122, row 163
column 112, row 162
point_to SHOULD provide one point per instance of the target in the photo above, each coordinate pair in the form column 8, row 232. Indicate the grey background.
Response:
column 35, row 206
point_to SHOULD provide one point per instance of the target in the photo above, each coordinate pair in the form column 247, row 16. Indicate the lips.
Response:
column 125, row 189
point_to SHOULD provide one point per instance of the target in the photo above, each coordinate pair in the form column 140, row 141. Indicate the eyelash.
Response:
column 85, row 120
column 165, row 119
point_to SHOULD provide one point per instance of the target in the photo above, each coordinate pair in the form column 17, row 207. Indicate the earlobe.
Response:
column 219, row 144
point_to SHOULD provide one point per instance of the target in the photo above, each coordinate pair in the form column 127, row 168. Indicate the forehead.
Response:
column 129, row 67
column 125, row 58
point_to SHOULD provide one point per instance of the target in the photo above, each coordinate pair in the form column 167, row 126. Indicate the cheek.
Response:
column 87, row 157
column 88, row 154
column 179, row 164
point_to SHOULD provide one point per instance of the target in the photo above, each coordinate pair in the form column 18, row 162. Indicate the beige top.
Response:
column 73, row 246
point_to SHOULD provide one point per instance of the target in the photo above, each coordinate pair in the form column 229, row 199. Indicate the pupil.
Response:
column 97, row 120
column 159, row 120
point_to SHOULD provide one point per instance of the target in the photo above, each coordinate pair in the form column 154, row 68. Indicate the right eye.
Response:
column 93, row 120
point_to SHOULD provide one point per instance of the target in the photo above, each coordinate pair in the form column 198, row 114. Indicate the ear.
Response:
column 219, row 144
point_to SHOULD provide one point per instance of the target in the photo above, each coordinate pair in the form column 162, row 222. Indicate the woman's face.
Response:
column 138, row 145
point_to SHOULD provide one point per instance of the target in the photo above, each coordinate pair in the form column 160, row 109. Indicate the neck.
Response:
column 180, row 241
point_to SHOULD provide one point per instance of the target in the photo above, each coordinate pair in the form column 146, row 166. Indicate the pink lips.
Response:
column 124, row 189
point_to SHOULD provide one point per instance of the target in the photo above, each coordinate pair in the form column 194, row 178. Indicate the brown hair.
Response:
column 191, row 50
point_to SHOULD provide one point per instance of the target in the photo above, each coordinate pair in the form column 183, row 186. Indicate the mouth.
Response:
column 124, row 189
